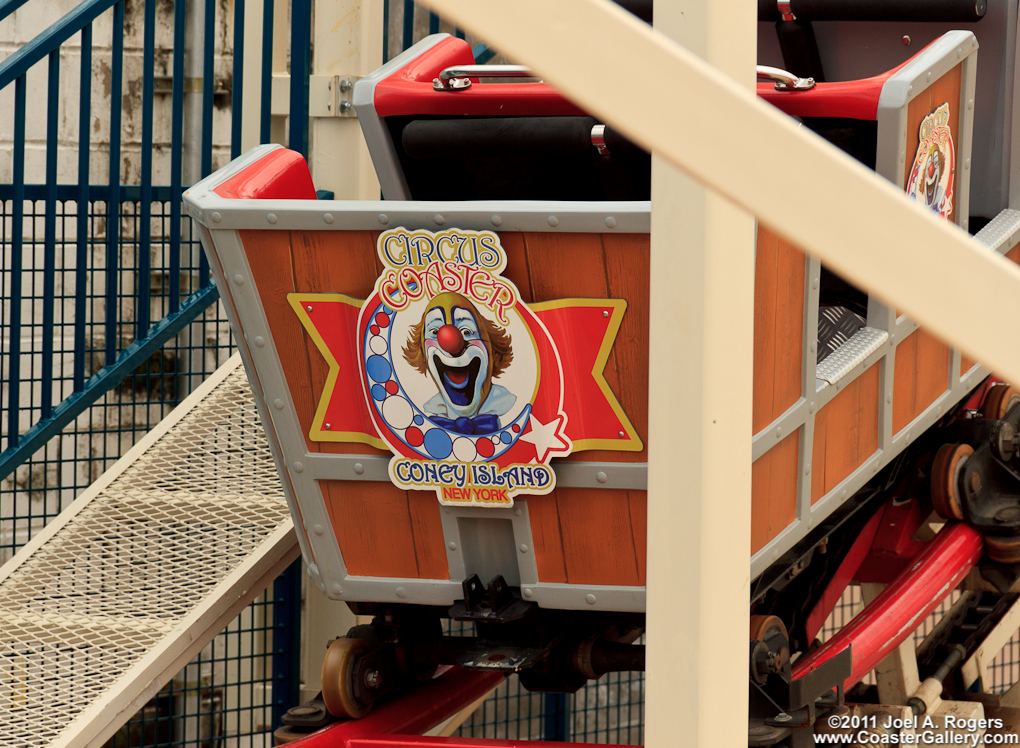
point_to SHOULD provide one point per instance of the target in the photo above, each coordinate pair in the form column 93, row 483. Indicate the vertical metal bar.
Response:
column 208, row 90
column 267, row 71
column 408, row 23
column 237, row 89
column 142, row 313
column 286, row 641
column 113, row 194
column 433, row 23
column 556, row 717
column 82, row 222
column 300, row 69
column 386, row 31
column 176, row 146
column 17, row 219
column 208, row 84
column 50, row 233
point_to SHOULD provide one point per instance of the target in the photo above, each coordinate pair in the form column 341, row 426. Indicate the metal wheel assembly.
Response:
column 945, row 479
column 338, row 678
column 1000, row 398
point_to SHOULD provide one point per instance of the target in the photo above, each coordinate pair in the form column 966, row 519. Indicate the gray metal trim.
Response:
column 377, row 135
column 779, row 429
column 215, row 212
column 616, row 475
column 1002, row 233
column 851, row 354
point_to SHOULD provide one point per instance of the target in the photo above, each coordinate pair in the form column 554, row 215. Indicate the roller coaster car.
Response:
column 456, row 391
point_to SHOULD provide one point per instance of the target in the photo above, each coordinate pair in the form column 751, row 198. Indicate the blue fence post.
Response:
column 286, row 641
column 556, row 717
column 300, row 69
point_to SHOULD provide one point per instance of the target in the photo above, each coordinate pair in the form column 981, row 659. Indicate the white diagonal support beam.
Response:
column 673, row 103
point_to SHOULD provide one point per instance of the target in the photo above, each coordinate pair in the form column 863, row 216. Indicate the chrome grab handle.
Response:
column 458, row 77
column 784, row 81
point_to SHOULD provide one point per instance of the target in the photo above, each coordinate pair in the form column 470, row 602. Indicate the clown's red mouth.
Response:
column 458, row 381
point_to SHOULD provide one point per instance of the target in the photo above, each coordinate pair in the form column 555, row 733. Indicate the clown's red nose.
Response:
column 451, row 340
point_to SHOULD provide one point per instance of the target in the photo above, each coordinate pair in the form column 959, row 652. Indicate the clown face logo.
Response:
column 451, row 363
column 931, row 176
column 462, row 352
column 446, row 367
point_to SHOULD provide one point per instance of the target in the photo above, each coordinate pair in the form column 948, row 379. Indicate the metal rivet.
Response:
column 327, row 218
column 517, row 511
column 260, row 341
column 438, row 219
column 908, row 436
column 903, row 156
column 337, row 589
column 906, row 40
column 524, row 548
column 553, row 221
column 959, row 54
column 358, row 468
column 590, row 599
column 928, row 79
column 322, row 586
column 966, row 164
column 814, row 283
column 278, row 404
column 970, row 103
column 892, row 339
column 610, row 222
column 779, row 431
column 309, row 307
column 814, row 346
column 843, row 495
column 910, row 89
column 452, row 545
column 271, row 218
column 299, row 467
column 326, row 426
column 528, row 592
column 601, row 477
column 317, row 529
column 810, row 407
column 216, row 217
column 888, row 398
column 807, row 470
column 384, row 219
column 622, row 434
column 239, row 279
column 496, row 221
column 605, row 314
column 401, row 592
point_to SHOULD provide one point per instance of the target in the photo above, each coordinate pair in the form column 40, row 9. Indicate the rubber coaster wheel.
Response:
column 1003, row 549
column 1000, row 398
column 945, row 475
column 338, row 678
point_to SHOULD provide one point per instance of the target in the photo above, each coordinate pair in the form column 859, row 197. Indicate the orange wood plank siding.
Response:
column 774, row 478
column 778, row 327
column 920, row 376
column 586, row 536
column 846, row 433
column 383, row 532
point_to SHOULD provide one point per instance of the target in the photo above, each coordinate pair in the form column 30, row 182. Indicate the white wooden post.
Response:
column 699, row 430
column 347, row 41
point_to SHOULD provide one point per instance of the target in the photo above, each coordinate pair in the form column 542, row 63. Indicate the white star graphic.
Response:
column 545, row 437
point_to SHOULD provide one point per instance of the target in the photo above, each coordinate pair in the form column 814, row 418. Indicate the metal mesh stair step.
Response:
column 120, row 591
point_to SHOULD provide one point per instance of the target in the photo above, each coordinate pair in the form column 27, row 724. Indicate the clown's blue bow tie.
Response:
column 484, row 424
